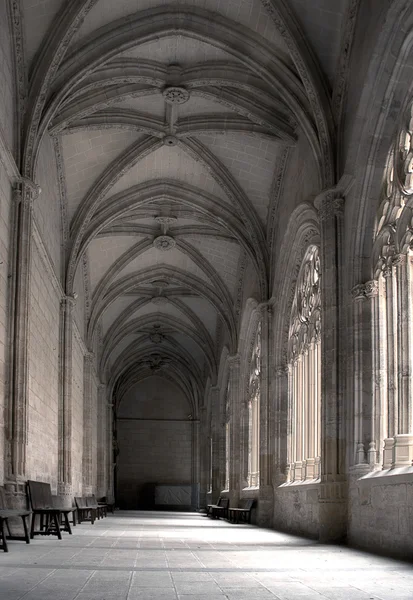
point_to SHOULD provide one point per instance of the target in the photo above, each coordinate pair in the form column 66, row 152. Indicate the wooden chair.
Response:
column 85, row 512
column 109, row 505
column 221, row 509
column 41, row 501
column 5, row 515
column 241, row 514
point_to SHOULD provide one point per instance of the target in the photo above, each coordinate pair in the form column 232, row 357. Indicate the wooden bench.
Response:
column 220, row 509
column 84, row 511
column 41, row 501
column 5, row 515
column 241, row 514
column 101, row 507
column 209, row 506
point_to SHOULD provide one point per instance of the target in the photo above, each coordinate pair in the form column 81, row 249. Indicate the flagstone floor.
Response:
column 183, row 556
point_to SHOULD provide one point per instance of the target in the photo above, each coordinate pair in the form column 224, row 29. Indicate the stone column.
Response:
column 65, row 402
column 25, row 193
column 216, row 427
column 102, row 450
column 110, row 484
column 87, row 459
column 266, row 493
column 333, row 493
column 204, row 459
column 235, row 427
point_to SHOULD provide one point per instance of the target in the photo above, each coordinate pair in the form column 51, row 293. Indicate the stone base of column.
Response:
column 265, row 511
column 65, row 494
column 402, row 450
column 333, row 512
column 16, row 493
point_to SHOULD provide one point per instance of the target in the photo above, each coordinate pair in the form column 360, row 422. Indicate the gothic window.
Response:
column 304, row 372
column 391, row 442
column 254, row 413
column 227, row 425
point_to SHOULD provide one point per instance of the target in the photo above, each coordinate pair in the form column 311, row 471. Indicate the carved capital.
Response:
column 329, row 204
column 89, row 357
column 371, row 288
column 359, row 292
column 234, row 360
column 399, row 260
column 68, row 302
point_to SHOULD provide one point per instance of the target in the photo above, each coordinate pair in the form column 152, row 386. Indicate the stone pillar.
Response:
column 333, row 492
column 195, row 471
column 266, row 493
column 102, row 450
column 87, row 459
column 25, row 192
column 204, row 458
column 216, row 426
column 64, row 489
column 110, row 483
column 234, row 362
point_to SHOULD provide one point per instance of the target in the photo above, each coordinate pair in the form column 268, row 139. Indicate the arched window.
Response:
column 254, row 413
column 227, row 425
column 392, row 442
column 304, row 372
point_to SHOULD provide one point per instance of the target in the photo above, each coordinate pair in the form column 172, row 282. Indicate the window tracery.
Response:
column 304, row 353
column 392, row 429
column 254, row 413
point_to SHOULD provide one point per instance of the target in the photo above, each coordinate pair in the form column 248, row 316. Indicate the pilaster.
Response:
column 102, row 450
column 25, row 193
column 216, row 435
column 332, row 497
column 87, row 459
column 65, row 401
column 234, row 363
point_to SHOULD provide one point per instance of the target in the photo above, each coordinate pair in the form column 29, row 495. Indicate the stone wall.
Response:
column 155, row 441
column 381, row 513
column 5, row 204
column 42, row 451
column 77, row 417
column 296, row 509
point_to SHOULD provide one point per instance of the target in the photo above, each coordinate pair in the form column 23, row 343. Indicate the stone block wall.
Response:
column 296, row 508
column 381, row 513
column 5, row 205
column 42, row 451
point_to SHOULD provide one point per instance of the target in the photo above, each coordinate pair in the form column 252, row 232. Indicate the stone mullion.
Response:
column 392, row 392
column 298, row 418
column 375, row 345
column 380, row 365
column 24, row 194
column 332, row 497
column 359, row 299
column 294, row 408
column 404, row 323
column 306, row 408
column 289, row 424
column 311, row 413
column 65, row 403
column 317, row 394
column 282, row 424
column 266, row 458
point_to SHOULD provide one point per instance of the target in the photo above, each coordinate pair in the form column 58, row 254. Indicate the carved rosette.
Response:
column 174, row 94
column 164, row 243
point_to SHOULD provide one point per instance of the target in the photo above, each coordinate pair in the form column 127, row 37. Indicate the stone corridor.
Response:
column 170, row 556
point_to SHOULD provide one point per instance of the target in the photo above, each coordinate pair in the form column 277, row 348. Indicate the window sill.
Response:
column 225, row 491
column 252, row 488
column 397, row 475
column 304, row 483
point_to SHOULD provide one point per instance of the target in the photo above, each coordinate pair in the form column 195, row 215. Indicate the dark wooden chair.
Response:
column 41, row 501
column 209, row 506
column 5, row 515
column 221, row 509
column 243, row 513
column 85, row 512
column 110, row 506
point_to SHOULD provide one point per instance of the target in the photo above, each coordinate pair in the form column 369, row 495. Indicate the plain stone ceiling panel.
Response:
column 153, row 105
column 86, row 155
column 251, row 159
column 114, row 310
column 38, row 16
column 167, row 309
column 222, row 255
column 250, row 13
column 204, row 310
column 104, row 251
column 171, row 163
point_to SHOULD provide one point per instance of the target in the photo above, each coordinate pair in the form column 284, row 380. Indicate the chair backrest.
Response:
column 91, row 502
column 224, row 502
column 80, row 502
column 248, row 504
column 40, row 494
column 3, row 503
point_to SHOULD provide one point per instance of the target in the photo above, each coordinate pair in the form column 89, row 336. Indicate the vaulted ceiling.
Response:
column 171, row 121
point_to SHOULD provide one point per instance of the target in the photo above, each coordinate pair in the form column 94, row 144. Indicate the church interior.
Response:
column 206, row 290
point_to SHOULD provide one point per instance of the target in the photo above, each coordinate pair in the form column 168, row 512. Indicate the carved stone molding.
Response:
column 164, row 243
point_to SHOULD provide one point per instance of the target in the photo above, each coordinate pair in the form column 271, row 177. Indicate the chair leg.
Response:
column 92, row 515
column 67, row 524
column 26, row 529
column 55, row 519
column 8, row 527
column 3, row 534
column 32, row 525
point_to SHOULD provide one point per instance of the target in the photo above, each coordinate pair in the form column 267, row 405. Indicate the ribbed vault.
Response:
column 171, row 124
